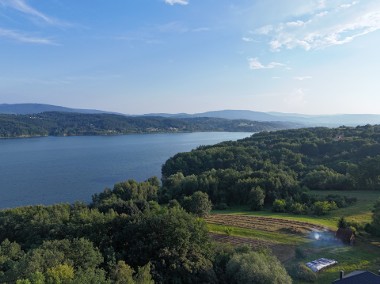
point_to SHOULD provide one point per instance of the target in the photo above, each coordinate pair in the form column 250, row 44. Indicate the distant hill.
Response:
column 39, row 108
column 293, row 118
column 306, row 120
column 74, row 124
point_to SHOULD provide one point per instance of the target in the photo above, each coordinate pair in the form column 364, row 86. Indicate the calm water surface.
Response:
column 65, row 169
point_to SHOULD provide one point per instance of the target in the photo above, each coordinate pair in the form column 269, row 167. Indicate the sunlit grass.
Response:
column 364, row 255
column 359, row 212
column 272, row 237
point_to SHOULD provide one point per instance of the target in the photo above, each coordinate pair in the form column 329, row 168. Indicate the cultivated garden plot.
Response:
column 268, row 224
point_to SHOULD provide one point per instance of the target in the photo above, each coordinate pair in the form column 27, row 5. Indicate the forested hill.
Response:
column 71, row 124
column 283, row 164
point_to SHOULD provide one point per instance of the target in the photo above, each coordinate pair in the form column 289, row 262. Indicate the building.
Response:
column 358, row 277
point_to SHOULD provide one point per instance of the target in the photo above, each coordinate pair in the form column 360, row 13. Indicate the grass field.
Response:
column 283, row 233
column 359, row 212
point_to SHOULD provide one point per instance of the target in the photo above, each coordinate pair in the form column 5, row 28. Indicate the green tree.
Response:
column 256, row 268
column 256, row 198
column 143, row 275
column 279, row 205
column 122, row 273
column 342, row 223
column 60, row 274
column 198, row 204
column 175, row 242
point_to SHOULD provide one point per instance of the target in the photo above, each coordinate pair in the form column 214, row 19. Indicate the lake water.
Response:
column 49, row 170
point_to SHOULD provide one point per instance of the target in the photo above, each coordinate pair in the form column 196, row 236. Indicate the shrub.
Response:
column 301, row 272
column 323, row 207
column 298, row 208
column 279, row 205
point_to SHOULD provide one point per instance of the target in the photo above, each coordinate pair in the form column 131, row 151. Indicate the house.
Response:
column 356, row 277
column 346, row 235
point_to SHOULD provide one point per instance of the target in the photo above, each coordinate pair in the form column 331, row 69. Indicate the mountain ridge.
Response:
column 305, row 119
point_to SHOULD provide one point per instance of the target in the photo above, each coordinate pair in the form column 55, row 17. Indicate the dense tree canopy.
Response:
column 70, row 124
column 284, row 164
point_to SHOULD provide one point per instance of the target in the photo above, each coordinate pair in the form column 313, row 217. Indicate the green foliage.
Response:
column 256, row 267
column 143, row 275
column 62, row 273
column 284, row 164
column 198, row 204
column 256, row 198
column 342, row 223
column 323, row 207
column 301, row 272
column 279, row 205
column 176, row 244
column 122, row 274
column 69, row 124
column 375, row 224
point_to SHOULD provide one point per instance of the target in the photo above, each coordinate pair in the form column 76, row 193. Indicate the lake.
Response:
column 49, row 170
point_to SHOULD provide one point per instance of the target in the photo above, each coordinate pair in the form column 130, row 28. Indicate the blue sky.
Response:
column 143, row 56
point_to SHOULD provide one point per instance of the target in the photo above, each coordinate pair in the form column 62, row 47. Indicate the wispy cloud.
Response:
column 180, row 2
column 23, row 7
column 255, row 64
column 247, row 39
column 325, row 26
column 17, row 36
column 302, row 78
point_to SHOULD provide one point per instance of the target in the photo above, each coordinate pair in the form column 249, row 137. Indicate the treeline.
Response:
column 123, row 236
column 71, row 124
column 282, row 165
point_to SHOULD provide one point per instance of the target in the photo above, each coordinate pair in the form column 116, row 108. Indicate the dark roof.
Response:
column 356, row 277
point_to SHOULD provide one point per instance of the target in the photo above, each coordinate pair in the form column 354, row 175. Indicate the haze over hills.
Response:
column 303, row 119
column 30, row 108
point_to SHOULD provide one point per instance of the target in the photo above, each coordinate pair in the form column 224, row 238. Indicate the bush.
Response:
column 279, row 205
column 256, row 267
column 323, row 207
column 301, row 272
column 298, row 208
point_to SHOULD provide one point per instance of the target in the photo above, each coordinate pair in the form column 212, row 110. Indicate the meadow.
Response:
column 285, row 234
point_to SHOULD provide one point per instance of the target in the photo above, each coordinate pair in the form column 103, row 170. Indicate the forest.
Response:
column 281, row 169
column 155, row 231
column 123, row 236
column 74, row 124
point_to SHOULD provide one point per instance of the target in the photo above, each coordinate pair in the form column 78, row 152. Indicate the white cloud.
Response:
column 335, row 25
column 23, row 7
column 297, row 23
column 302, row 78
column 24, row 38
column 180, row 2
column 348, row 5
column 255, row 64
column 247, row 39
column 264, row 30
